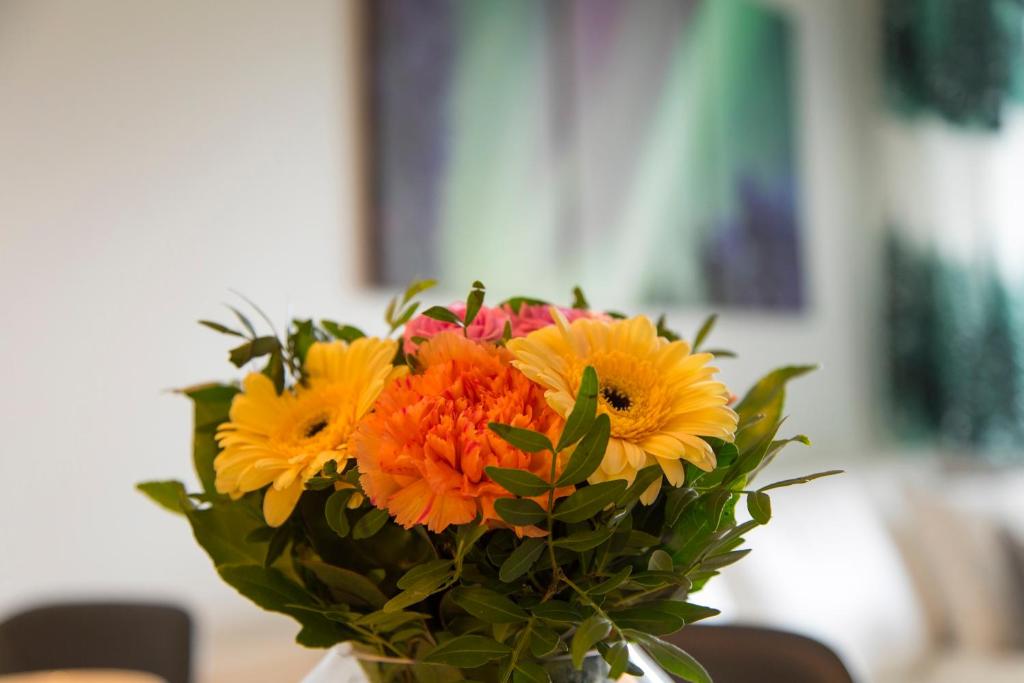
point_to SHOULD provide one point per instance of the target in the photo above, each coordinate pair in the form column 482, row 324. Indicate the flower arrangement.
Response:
column 497, row 492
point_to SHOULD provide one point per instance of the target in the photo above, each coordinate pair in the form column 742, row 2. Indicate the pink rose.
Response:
column 535, row 316
column 488, row 325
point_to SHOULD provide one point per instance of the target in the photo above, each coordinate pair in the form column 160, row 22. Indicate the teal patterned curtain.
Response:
column 954, row 153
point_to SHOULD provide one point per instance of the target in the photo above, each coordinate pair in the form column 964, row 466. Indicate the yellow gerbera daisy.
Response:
column 661, row 399
column 285, row 439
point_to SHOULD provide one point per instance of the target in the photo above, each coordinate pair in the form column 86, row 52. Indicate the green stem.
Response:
column 555, row 573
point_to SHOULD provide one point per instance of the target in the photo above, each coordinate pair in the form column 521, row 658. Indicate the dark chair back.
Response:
column 156, row 639
column 742, row 654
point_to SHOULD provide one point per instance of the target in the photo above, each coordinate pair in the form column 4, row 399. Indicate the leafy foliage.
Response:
column 589, row 568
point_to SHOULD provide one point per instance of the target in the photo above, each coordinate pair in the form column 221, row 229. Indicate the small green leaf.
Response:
column 579, row 301
column 468, row 652
column 417, row 287
column 656, row 617
column 407, row 314
column 336, row 513
column 592, row 630
column 766, row 398
column 677, row 500
column 525, row 440
column 557, row 611
column 519, row 511
column 352, row 587
column 167, row 494
column 613, row 582
column 261, row 346
column 346, row 333
column 589, row 500
column 704, row 331
column 543, row 640
column 617, row 656
column 589, row 453
column 582, row 416
column 644, row 478
column 664, row 331
column 581, row 541
column 443, row 314
column 370, row 523
column 672, row 659
column 759, row 505
column 529, row 672
column 800, row 480
column 660, row 561
column 521, row 559
column 519, row 482
column 217, row 327
column 389, row 621
column 278, row 542
column 244, row 320
column 466, row 536
column 427, row 576
column 488, row 605
column 474, row 302
column 405, row 599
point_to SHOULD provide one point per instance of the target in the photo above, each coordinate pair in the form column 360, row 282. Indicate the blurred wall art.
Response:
column 659, row 135
column 953, row 135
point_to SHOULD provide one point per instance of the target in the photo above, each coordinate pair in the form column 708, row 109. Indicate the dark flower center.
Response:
column 315, row 428
column 616, row 399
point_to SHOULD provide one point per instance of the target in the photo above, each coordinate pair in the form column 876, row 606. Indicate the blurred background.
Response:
column 840, row 179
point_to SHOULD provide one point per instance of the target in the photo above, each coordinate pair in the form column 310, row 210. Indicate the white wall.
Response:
column 152, row 156
column 155, row 154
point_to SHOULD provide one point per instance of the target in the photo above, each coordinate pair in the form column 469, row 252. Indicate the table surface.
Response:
column 82, row 676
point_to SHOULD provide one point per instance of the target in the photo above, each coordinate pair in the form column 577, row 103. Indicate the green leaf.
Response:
column 519, row 511
column 656, row 617
column 336, row 512
column 720, row 353
column 389, row 621
column 617, row 656
column 664, row 331
column 589, row 453
column 466, row 537
column 800, row 480
column 417, row 287
column 673, row 659
column 723, row 560
column 759, row 505
column 346, row 333
column 217, row 327
column 516, row 302
column 676, row 500
column 405, row 599
column 261, row 346
column 525, row 440
column 557, row 611
column 692, row 613
column 579, row 301
column 488, row 605
column 274, row 369
column 521, row 559
column 704, row 331
column 278, row 542
column 348, row 585
column 427, row 576
column 370, row 523
column 592, row 630
column 468, row 652
column 242, row 319
column 660, row 561
column 543, row 640
column 644, row 478
column 519, row 482
column 272, row 590
column 582, row 415
column 443, row 314
column 530, row 672
column 765, row 398
column 211, row 405
column 589, row 500
column 613, row 582
column 474, row 302
column 582, row 541
column 167, row 494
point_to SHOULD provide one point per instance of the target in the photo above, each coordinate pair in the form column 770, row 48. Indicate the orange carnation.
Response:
column 423, row 449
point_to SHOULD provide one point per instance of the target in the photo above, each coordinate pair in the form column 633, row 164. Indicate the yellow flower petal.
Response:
column 278, row 504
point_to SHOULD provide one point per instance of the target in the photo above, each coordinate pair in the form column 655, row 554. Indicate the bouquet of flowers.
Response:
column 489, row 493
